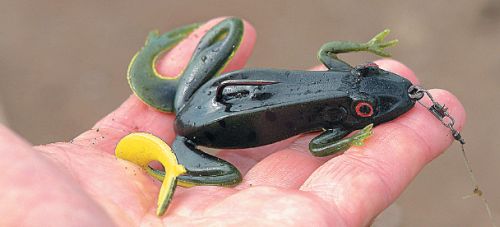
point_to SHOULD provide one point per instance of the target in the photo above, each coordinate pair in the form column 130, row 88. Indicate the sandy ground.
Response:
column 63, row 67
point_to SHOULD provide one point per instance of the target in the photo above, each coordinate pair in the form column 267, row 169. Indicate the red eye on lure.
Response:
column 364, row 109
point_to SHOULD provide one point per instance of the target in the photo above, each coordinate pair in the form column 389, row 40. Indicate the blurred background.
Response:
column 63, row 66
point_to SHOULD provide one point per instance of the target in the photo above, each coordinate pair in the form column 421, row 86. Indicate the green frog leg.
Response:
column 328, row 52
column 332, row 141
column 147, row 84
column 201, row 168
column 169, row 93
column 211, row 55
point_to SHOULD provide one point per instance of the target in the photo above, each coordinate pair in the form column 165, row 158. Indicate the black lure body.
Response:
column 294, row 102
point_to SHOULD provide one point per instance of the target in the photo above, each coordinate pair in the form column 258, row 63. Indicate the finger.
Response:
column 398, row 68
column 287, row 168
column 133, row 115
column 291, row 167
column 365, row 180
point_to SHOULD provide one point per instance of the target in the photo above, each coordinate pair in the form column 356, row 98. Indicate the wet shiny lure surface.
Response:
column 254, row 107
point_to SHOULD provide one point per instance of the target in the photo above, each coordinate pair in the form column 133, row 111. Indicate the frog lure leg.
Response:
column 168, row 94
column 213, row 52
column 143, row 148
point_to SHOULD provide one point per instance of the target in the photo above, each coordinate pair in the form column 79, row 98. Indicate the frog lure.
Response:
column 255, row 107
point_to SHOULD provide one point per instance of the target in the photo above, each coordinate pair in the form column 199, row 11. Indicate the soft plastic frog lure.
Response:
column 255, row 107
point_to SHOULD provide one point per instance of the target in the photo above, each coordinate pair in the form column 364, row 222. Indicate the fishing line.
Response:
column 441, row 113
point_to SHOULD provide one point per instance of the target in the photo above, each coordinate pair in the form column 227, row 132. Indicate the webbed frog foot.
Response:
column 377, row 44
column 186, row 167
column 144, row 148
column 331, row 141
column 203, row 168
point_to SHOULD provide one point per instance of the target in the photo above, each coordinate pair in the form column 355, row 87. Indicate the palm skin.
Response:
column 81, row 183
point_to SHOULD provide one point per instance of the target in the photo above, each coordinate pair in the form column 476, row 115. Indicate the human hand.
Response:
column 82, row 183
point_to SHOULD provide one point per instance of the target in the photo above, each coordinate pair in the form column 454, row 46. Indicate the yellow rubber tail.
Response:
column 142, row 149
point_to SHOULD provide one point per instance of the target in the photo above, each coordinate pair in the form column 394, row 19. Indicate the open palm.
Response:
column 81, row 183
